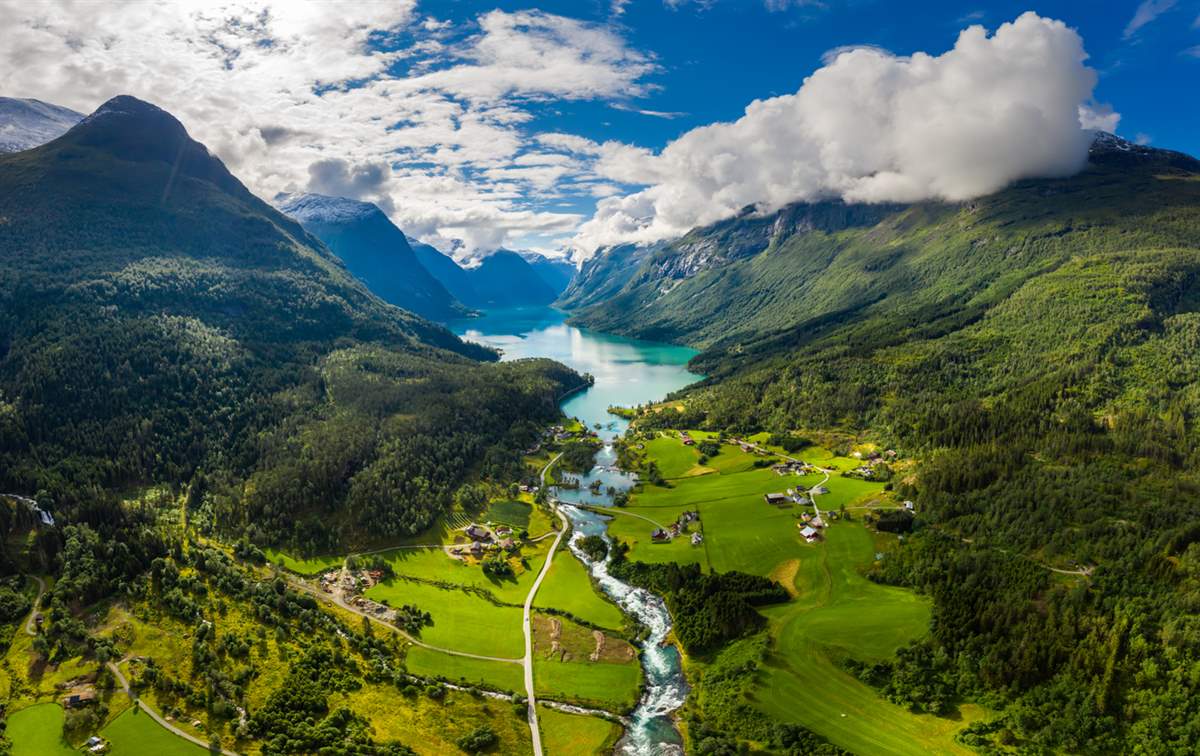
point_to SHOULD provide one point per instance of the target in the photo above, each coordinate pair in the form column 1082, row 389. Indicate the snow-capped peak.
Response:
column 321, row 208
column 25, row 124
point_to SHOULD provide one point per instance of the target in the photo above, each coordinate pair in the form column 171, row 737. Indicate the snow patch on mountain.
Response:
column 320, row 208
column 25, row 124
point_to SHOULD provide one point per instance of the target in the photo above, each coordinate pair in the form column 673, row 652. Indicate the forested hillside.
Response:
column 1036, row 351
column 158, row 320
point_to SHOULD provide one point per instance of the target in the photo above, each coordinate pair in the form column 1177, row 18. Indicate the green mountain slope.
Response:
column 375, row 251
column 1035, row 351
column 157, row 319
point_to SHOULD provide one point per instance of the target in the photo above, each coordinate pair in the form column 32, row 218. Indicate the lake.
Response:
column 627, row 371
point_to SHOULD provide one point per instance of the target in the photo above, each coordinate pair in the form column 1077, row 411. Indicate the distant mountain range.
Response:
column 25, row 124
column 375, row 251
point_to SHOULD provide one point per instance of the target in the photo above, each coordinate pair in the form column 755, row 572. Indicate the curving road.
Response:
column 534, row 731
column 112, row 666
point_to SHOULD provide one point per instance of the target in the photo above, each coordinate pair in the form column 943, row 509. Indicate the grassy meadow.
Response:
column 463, row 670
column 576, row 735
column 568, row 587
column 134, row 733
column 835, row 613
column 462, row 621
column 563, row 670
column 37, row 731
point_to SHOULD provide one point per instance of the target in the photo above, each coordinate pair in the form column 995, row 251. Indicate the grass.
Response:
column 433, row 564
column 837, row 612
column 432, row 727
column 463, row 670
column 741, row 531
column 568, row 674
column 576, row 735
column 37, row 731
column 134, row 733
column 461, row 621
column 515, row 513
column 608, row 686
column 303, row 565
column 840, row 613
column 568, row 587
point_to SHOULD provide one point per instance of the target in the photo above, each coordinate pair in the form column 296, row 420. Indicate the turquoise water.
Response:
column 628, row 372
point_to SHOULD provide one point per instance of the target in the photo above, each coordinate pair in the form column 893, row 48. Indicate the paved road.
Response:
column 30, row 627
column 534, row 731
column 112, row 666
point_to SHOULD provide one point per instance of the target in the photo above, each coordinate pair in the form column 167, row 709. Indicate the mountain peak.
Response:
column 322, row 208
column 137, row 131
column 25, row 124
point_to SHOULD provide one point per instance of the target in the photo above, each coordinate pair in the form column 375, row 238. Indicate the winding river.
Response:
column 627, row 372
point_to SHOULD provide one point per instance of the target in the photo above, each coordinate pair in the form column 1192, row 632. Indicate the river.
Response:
column 627, row 372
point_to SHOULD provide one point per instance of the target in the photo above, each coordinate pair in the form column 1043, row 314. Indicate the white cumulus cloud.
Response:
column 870, row 126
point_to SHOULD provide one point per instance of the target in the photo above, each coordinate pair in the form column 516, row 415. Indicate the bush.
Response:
column 479, row 740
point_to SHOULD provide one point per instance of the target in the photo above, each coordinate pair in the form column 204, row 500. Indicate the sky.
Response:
column 567, row 126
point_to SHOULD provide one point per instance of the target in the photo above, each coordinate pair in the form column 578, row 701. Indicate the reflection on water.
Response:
column 627, row 372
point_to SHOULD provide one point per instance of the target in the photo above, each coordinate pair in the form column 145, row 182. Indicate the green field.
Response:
column 37, row 731
column 463, row 670
column 575, row 735
column 566, row 673
column 461, row 621
column 840, row 613
column 136, row 734
column 741, row 531
column 609, row 686
column 303, row 565
column 433, row 564
column 515, row 513
column 568, row 587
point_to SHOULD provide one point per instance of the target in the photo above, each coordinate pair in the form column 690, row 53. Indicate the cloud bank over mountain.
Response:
column 870, row 126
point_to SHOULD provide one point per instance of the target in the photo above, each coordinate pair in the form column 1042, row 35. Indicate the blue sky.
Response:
column 568, row 125
column 715, row 58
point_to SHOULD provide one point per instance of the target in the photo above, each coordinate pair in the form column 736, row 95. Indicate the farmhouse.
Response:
column 776, row 498
column 697, row 539
column 79, row 697
column 687, row 440
column 658, row 534
column 809, row 533
column 478, row 533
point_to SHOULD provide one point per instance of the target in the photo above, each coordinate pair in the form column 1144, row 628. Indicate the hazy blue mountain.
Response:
column 556, row 272
column 505, row 279
column 25, row 124
column 375, row 251
column 501, row 279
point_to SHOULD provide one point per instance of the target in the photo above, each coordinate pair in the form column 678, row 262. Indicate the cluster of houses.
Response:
column 678, row 528
column 870, row 460
column 349, row 582
column 792, row 496
column 790, row 467
column 810, row 526
column 484, row 540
